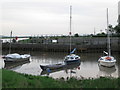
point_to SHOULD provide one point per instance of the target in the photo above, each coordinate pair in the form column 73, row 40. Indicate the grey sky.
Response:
column 36, row 17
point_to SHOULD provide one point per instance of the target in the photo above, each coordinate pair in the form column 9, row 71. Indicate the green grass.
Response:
column 12, row 79
column 0, row 79
column 15, row 80
column 24, row 41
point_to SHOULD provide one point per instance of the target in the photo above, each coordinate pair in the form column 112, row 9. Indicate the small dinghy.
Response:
column 52, row 66
column 65, row 68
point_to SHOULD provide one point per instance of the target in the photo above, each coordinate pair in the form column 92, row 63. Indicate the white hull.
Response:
column 16, row 57
column 72, row 58
column 107, row 62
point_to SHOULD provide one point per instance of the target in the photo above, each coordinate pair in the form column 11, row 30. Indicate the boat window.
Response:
column 71, row 58
column 76, row 58
column 66, row 58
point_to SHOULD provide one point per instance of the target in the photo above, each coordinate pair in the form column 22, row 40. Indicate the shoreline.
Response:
column 11, row 79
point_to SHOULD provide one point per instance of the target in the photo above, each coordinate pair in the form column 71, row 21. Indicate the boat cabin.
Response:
column 72, row 57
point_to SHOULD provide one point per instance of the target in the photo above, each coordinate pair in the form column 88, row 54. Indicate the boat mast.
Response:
column 70, row 25
column 108, row 36
column 10, row 42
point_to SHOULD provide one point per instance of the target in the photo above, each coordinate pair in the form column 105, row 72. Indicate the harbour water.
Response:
column 88, row 68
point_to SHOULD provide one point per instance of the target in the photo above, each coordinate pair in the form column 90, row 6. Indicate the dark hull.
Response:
column 16, row 60
column 54, row 66
column 66, row 67
column 15, row 64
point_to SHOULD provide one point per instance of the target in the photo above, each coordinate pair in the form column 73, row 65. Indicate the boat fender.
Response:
column 79, row 68
column 48, row 70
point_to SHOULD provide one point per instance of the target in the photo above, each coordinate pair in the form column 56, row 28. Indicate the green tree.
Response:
column 111, row 29
column 101, row 34
column 117, row 29
column 76, row 35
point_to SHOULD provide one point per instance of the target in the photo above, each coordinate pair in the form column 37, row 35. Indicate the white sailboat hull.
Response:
column 16, row 57
column 107, row 64
column 110, row 62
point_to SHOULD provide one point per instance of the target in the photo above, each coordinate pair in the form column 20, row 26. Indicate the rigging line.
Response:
column 70, row 25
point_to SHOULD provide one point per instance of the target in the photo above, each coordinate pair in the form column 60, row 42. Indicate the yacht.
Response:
column 71, row 58
column 107, row 60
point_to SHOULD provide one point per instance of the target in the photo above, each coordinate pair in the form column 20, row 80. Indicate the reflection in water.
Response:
column 1, row 62
column 15, row 64
column 119, row 69
column 106, row 71
column 88, row 68
column 118, row 64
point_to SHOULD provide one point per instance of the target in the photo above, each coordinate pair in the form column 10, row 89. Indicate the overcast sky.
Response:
column 37, row 17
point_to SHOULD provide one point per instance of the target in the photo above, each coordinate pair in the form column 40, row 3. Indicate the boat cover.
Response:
column 16, row 55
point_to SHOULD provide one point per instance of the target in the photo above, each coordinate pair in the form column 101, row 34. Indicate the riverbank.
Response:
column 82, row 44
column 57, row 47
column 11, row 79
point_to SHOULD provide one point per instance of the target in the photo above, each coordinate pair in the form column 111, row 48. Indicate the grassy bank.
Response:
column 15, row 80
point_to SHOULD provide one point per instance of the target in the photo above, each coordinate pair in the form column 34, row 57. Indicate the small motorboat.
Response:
column 108, row 61
column 15, row 57
column 72, row 58
column 52, row 66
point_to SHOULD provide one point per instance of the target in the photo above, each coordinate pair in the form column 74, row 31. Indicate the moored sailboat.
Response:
column 71, row 58
column 15, row 57
column 108, row 60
